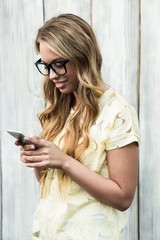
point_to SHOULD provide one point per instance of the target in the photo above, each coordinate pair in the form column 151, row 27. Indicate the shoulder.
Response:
column 113, row 100
column 112, row 103
column 116, row 112
column 120, row 117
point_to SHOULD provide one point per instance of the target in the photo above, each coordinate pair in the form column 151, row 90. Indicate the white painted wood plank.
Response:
column 80, row 8
column 0, row 187
column 116, row 27
column 150, row 119
column 20, row 96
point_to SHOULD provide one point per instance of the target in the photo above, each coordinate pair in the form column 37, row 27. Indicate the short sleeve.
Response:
column 124, row 128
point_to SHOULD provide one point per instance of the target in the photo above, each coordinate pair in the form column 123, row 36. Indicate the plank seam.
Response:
column 44, row 16
column 138, row 90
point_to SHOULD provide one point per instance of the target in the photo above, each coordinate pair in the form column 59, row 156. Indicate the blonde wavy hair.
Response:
column 72, row 38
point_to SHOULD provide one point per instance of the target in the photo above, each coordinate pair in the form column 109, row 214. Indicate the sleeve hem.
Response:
column 122, row 143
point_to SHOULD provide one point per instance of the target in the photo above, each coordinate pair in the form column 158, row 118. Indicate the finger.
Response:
column 23, row 161
column 26, row 140
column 22, row 158
column 38, row 142
column 18, row 143
column 33, row 152
column 36, row 165
column 33, row 158
column 27, row 147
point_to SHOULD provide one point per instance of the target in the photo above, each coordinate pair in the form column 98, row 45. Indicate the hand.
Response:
column 25, row 147
column 42, row 154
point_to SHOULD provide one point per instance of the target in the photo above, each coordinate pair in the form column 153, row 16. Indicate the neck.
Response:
column 104, row 87
column 77, row 101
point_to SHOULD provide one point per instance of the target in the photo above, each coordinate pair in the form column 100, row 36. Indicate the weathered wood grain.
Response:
column 150, row 119
column 81, row 8
column 0, row 189
column 19, row 96
column 117, row 28
column 116, row 24
column 21, row 100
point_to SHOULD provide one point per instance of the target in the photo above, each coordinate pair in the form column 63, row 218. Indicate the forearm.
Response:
column 104, row 190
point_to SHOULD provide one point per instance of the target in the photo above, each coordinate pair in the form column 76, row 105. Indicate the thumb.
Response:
column 39, row 143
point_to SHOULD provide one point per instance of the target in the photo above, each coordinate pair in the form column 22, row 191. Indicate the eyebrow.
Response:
column 55, row 60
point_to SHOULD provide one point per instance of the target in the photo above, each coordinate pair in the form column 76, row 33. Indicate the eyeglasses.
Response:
column 59, row 67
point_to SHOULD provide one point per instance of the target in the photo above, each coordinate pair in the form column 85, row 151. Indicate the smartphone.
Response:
column 18, row 135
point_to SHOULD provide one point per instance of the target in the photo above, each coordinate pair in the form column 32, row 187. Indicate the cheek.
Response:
column 74, row 83
column 71, row 70
column 72, row 75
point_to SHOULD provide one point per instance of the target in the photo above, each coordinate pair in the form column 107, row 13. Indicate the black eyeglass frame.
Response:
column 49, row 66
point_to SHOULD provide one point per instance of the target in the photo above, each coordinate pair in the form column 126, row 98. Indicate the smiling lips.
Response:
column 60, row 84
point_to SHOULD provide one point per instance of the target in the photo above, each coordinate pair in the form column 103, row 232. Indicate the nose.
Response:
column 53, row 75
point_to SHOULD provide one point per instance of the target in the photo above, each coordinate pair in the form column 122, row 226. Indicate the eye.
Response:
column 45, row 67
column 58, row 64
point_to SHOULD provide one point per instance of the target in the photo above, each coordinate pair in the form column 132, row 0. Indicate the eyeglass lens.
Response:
column 57, row 67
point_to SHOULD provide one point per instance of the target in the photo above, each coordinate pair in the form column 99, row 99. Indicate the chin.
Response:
column 65, row 91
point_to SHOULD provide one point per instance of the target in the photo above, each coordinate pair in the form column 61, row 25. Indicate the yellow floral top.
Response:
column 80, row 216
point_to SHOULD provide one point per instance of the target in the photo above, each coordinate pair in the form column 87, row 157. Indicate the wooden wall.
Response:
column 128, row 35
column 149, row 186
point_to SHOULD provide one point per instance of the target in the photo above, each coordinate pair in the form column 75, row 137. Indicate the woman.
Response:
column 86, row 158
